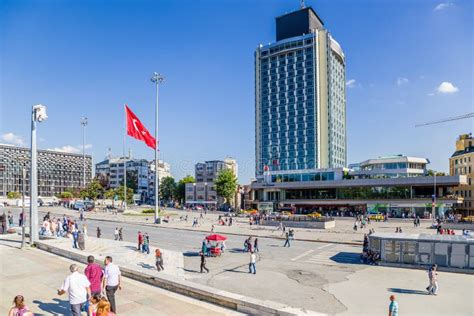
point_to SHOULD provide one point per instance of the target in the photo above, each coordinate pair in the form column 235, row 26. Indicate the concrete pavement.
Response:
column 37, row 275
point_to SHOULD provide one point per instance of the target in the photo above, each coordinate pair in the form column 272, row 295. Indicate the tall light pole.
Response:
column 433, row 200
column 156, row 79
column 23, row 180
column 84, row 124
column 38, row 114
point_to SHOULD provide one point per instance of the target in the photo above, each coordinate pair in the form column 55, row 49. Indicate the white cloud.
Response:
column 11, row 138
column 447, row 88
column 443, row 6
column 401, row 81
column 71, row 149
column 350, row 83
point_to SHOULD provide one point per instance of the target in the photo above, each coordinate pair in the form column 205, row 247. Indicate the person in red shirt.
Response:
column 140, row 241
column 94, row 274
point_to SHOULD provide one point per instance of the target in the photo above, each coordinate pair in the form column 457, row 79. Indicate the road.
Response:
column 296, row 275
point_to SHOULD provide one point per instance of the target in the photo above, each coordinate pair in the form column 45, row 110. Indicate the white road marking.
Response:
column 302, row 255
column 325, row 246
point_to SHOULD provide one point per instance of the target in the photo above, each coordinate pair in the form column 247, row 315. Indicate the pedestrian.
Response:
column 81, row 215
column 98, row 232
column 120, row 234
column 253, row 258
column 116, row 233
column 255, row 245
column 212, row 228
column 146, row 244
column 104, row 308
column 433, row 278
column 75, row 235
column 140, row 241
column 78, row 288
column 111, row 281
column 94, row 274
column 20, row 219
column 93, row 304
column 81, row 240
column 203, row 262
column 19, row 308
column 159, row 260
column 287, row 241
column 393, row 307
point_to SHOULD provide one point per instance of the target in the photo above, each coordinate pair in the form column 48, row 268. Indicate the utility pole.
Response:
column 38, row 114
column 84, row 124
column 23, row 186
column 156, row 79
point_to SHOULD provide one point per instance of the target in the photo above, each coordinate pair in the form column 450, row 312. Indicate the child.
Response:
column 94, row 302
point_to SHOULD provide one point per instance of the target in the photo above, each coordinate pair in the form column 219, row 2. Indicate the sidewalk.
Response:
column 37, row 275
column 342, row 233
column 125, row 254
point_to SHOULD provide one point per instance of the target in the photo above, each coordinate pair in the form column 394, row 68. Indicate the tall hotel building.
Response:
column 300, row 100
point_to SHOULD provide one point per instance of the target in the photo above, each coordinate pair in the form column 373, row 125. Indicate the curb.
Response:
column 234, row 234
column 425, row 267
column 205, row 293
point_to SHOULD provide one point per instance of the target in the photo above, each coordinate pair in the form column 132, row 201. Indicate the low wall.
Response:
column 226, row 299
column 303, row 224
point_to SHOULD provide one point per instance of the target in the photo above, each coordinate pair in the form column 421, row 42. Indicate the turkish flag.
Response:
column 136, row 129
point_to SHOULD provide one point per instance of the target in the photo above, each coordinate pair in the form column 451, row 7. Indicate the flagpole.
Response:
column 125, row 160
column 156, row 79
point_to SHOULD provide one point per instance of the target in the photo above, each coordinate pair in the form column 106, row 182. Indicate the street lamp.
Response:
column 156, row 79
column 38, row 114
column 23, row 217
column 84, row 124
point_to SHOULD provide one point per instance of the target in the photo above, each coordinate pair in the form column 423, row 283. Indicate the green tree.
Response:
column 119, row 192
column 109, row 194
column 13, row 195
column 167, row 188
column 66, row 195
column 431, row 173
column 93, row 190
column 181, row 187
column 132, row 180
column 226, row 184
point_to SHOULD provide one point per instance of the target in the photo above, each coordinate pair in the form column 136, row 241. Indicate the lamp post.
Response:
column 38, row 114
column 156, row 79
column 23, row 219
column 84, row 124
column 433, row 201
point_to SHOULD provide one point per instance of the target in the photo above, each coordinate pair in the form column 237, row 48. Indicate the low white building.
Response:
column 397, row 166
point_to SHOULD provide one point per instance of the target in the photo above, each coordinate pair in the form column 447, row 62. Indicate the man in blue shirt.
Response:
column 393, row 307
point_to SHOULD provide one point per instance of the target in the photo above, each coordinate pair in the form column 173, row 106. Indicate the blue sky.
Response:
column 88, row 58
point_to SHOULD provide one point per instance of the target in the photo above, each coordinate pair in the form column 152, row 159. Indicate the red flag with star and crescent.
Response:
column 137, row 130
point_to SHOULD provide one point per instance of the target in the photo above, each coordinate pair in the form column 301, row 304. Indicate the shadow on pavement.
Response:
column 347, row 258
column 145, row 265
column 59, row 307
column 191, row 254
column 407, row 291
column 131, row 248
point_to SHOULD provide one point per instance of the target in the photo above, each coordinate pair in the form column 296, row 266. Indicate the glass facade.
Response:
column 287, row 109
column 288, row 77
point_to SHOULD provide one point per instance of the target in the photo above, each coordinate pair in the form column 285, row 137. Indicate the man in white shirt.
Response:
column 111, row 282
column 78, row 288
column 253, row 258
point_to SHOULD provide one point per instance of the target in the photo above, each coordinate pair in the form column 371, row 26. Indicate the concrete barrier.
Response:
column 226, row 299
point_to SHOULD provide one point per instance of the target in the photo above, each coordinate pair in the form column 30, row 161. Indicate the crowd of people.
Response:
column 92, row 292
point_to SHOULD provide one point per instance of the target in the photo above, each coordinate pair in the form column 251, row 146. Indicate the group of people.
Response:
column 143, row 242
column 368, row 256
column 416, row 221
column 361, row 221
column 92, row 292
column 118, row 235
column 445, row 231
column 251, row 245
column 399, row 230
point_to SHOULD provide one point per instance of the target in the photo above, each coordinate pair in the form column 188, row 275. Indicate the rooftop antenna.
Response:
column 109, row 153
column 302, row 4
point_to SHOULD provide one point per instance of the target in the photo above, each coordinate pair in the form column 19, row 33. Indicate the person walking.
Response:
column 98, row 232
column 116, row 233
column 393, row 307
column 203, row 262
column 81, row 241
column 287, row 241
column 140, row 241
column 94, row 274
column 253, row 259
column 75, row 235
column 146, row 244
column 159, row 260
column 255, row 245
column 111, row 281
column 120, row 234
column 78, row 287
column 433, row 278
